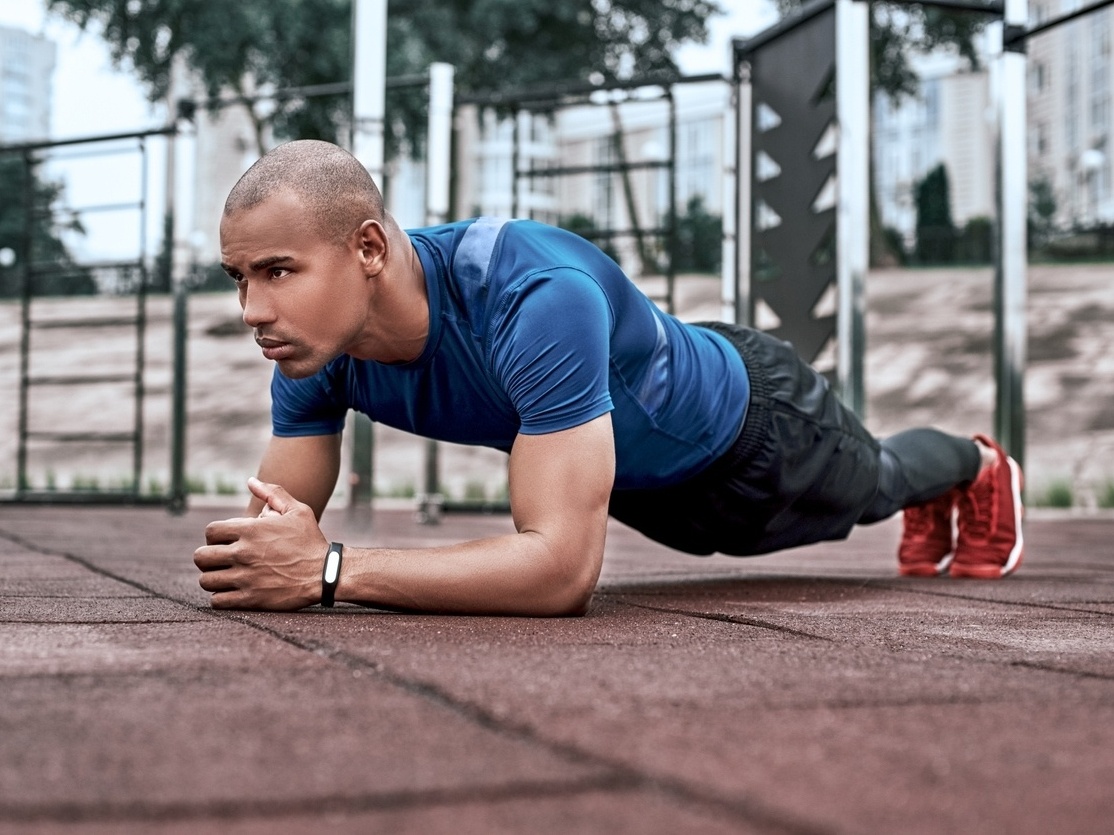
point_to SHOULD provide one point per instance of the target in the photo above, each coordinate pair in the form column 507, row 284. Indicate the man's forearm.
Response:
column 516, row 574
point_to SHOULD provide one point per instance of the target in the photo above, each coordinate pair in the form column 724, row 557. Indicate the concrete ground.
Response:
column 807, row 692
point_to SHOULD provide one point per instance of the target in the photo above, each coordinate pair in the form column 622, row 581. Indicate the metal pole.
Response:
column 671, row 270
column 177, row 499
column 744, row 171
column 730, row 210
column 440, row 140
column 369, row 98
column 438, row 166
column 1010, row 275
column 514, row 166
column 369, row 84
column 141, row 313
column 25, row 263
column 853, row 202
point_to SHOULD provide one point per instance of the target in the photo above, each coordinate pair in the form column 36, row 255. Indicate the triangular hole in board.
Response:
column 766, row 117
column 828, row 143
column 765, row 168
column 826, row 198
column 765, row 217
column 827, row 304
column 764, row 317
column 827, row 359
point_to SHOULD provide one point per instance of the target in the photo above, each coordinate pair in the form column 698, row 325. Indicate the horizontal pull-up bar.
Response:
column 23, row 147
column 545, row 92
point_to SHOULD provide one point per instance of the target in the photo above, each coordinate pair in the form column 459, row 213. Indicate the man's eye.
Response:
column 279, row 272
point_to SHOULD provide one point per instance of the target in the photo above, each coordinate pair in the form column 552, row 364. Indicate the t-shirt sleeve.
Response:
column 551, row 350
column 305, row 407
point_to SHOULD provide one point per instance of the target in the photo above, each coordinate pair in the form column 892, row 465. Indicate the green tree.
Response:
column 60, row 274
column 1042, row 212
column 585, row 227
column 899, row 29
column 699, row 239
column 241, row 47
column 935, row 229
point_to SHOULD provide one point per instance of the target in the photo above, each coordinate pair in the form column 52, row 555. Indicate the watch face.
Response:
column 332, row 566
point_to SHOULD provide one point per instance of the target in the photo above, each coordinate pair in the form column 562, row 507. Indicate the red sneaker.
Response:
column 926, row 537
column 990, row 544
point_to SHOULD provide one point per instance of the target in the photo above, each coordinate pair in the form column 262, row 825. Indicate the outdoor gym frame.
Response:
column 851, row 44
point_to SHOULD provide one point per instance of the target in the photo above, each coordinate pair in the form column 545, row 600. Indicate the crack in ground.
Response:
column 741, row 620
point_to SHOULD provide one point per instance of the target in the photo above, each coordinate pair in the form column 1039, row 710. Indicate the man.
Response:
column 528, row 339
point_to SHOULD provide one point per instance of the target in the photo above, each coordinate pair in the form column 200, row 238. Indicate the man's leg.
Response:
column 930, row 475
column 919, row 472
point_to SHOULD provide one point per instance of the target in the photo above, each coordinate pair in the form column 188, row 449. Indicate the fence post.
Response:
column 1010, row 296
column 438, row 166
column 369, row 95
column 853, row 203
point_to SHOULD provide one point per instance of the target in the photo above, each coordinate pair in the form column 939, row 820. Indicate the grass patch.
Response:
column 224, row 488
column 86, row 483
column 1105, row 495
column 398, row 491
column 1058, row 494
column 475, row 491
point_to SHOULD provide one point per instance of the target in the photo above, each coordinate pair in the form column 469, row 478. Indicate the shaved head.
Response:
column 337, row 192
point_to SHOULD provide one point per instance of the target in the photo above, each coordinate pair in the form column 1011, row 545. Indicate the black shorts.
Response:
column 803, row 469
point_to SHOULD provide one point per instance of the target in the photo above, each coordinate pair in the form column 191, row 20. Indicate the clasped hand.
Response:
column 270, row 562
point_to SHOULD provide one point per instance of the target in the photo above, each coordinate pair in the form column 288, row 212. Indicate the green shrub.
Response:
column 224, row 488
column 90, row 484
column 475, row 491
column 1106, row 495
column 1058, row 494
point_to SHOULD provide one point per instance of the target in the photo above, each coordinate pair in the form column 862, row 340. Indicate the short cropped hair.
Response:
column 336, row 189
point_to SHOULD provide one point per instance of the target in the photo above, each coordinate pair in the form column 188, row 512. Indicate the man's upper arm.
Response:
column 307, row 466
column 560, row 487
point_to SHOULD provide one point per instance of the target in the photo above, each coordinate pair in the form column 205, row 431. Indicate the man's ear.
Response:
column 371, row 242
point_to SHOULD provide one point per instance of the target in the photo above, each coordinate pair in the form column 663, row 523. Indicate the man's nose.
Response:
column 257, row 308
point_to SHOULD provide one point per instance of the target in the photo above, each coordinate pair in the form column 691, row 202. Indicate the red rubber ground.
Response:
column 810, row 692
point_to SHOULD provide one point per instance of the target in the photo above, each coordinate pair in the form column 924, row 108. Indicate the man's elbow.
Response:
column 570, row 591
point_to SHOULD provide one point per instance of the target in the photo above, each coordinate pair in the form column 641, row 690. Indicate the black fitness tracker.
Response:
column 330, row 573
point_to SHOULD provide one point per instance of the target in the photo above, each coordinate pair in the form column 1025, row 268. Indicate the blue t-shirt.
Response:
column 532, row 330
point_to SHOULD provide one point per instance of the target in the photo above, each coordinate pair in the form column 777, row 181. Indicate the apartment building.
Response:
column 26, row 85
column 1071, row 76
column 951, row 121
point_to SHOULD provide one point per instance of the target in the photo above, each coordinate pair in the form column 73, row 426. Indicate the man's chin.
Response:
column 298, row 369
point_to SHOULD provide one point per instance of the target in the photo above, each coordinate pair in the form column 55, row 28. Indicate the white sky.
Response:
column 91, row 97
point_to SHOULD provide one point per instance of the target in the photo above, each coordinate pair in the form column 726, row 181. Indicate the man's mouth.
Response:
column 274, row 349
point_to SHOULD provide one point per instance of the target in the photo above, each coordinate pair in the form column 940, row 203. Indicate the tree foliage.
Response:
column 247, row 45
column 899, row 29
column 49, row 254
column 935, row 229
column 699, row 239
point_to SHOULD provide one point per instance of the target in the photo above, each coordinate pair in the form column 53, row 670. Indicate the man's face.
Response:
column 302, row 294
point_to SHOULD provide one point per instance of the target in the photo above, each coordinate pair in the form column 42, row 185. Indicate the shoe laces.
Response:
column 918, row 520
column 982, row 505
column 924, row 518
